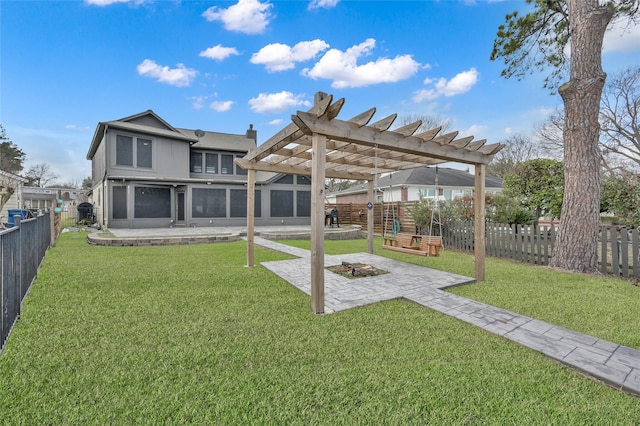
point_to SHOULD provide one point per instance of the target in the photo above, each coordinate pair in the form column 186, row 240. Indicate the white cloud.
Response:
column 79, row 128
column 508, row 130
column 276, row 122
column 476, row 130
column 198, row 101
column 221, row 106
column 219, row 52
column 326, row 4
column 180, row 76
column 104, row 2
column 277, row 102
column 280, row 57
column 246, row 16
column 343, row 68
column 461, row 83
column 622, row 38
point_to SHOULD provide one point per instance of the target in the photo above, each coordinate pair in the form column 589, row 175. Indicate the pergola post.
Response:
column 318, row 154
column 370, row 217
column 479, row 225
column 251, row 202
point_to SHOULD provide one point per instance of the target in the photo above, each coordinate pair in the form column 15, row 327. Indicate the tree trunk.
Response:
column 576, row 245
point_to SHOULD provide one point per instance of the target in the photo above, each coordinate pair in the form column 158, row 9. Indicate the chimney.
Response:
column 252, row 134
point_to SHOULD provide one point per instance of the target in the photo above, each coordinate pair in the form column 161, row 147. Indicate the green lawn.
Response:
column 601, row 306
column 188, row 334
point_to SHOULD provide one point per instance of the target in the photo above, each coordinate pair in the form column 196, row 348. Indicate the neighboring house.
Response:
column 11, row 188
column 147, row 173
column 408, row 185
column 49, row 198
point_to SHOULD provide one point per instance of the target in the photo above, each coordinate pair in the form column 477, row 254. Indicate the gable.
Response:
column 148, row 119
column 147, row 122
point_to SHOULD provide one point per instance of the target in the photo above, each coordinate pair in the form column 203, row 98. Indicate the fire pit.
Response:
column 356, row 270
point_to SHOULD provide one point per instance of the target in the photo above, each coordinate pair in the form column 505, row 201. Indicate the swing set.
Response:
column 420, row 245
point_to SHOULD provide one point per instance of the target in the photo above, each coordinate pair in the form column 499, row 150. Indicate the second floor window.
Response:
column 214, row 163
column 211, row 163
column 127, row 151
column 196, row 162
column 226, row 166
column 124, row 150
column 144, row 152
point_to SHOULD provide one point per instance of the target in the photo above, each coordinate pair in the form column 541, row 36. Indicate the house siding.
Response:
column 168, row 193
column 170, row 158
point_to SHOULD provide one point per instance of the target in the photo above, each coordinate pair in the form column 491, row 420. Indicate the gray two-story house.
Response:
column 147, row 174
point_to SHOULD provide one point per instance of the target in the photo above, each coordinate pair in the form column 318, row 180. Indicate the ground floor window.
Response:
column 152, row 202
column 238, row 207
column 209, row 202
column 119, row 196
column 303, row 203
column 281, row 203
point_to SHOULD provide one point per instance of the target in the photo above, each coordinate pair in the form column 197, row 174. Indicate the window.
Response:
column 226, row 168
column 428, row 192
column 211, row 163
column 281, row 203
column 304, row 180
column 144, row 153
column 196, row 162
column 286, row 179
column 209, row 202
column 238, row 207
column 303, row 203
column 119, row 202
column 239, row 170
column 128, row 153
column 124, row 150
column 152, row 202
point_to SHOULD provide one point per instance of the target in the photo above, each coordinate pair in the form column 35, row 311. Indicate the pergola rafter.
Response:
column 317, row 144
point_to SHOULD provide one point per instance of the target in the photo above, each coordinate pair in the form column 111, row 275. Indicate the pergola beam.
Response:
column 348, row 132
column 303, row 171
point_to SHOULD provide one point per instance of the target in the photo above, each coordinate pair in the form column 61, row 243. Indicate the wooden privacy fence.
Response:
column 618, row 247
column 383, row 216
column 22, row 249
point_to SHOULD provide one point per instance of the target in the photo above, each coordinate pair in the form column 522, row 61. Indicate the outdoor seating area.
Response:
column 419, row 245
column 332, row 217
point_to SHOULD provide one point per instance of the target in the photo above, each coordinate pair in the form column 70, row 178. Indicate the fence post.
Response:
column 623, row 252
column 52, row 226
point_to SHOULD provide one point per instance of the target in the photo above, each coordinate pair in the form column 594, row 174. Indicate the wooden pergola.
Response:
column 319, row 145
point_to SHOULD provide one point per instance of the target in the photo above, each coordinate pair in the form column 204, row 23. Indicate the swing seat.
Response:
column 420, row 245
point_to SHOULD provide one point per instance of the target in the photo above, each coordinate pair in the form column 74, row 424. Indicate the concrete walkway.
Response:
column 618, row 366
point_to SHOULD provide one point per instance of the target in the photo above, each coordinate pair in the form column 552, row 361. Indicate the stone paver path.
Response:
column 616, row 365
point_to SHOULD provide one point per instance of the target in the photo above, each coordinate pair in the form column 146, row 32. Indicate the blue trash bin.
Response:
column 15, row 212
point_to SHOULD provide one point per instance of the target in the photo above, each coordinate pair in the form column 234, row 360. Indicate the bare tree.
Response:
column 620, row 117
column 619, row 144
column 549, row 134
column 40, row 175
column 517, row 149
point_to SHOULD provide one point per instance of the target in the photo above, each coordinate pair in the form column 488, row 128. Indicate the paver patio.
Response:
column 613, row 364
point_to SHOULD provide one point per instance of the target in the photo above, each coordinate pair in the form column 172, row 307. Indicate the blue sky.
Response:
column 221, row 65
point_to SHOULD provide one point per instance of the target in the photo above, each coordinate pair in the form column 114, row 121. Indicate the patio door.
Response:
column 180, row 207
